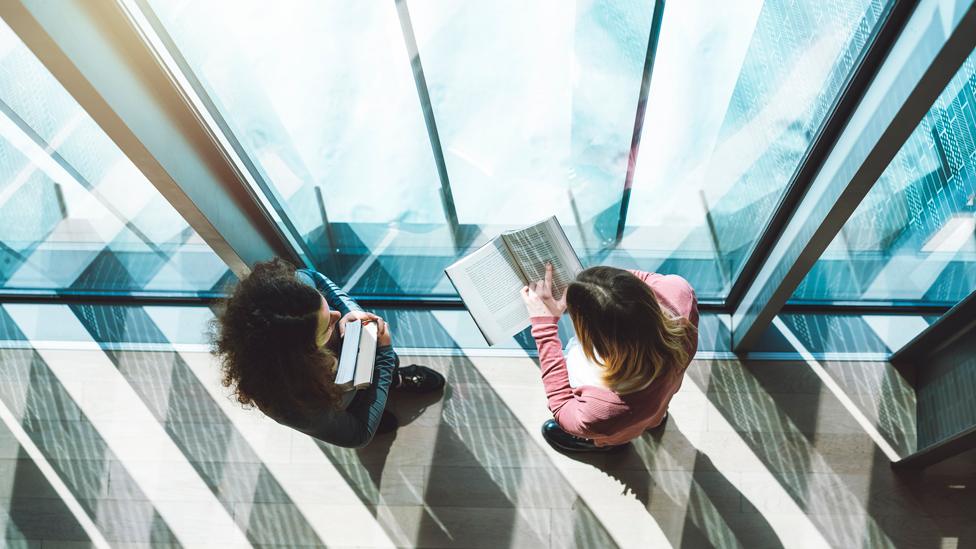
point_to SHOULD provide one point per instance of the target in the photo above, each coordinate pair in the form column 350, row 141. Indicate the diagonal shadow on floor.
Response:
column 224, row 460
column 694, row 504
column 465, row 473
column 77, row 452
column 820, row 456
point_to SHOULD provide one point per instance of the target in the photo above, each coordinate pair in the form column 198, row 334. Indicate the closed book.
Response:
column 367, row 356
column 346, row 371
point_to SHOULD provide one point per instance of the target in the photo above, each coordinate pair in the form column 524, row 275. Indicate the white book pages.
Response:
column 367, row 356
column 545, row 242
column 489, row 280
column 489, row 283
column 348, row 356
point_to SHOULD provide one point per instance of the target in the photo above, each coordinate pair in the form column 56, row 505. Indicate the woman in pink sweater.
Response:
column 638, row 332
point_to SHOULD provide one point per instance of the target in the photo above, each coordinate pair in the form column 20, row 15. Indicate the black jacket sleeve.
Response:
column 355, row 426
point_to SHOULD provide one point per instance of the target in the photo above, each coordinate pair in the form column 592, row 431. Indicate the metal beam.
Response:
column 933, row 45
column 107, row 64
column 959, row 320
column 169, row 54
column 370, row 301
column 858, row 308
column 420, row 80
column 656, row 18
column 958, row 444
column 860, row 79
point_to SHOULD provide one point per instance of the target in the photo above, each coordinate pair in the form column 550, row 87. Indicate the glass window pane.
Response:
column 738, row 92
column 535, row 103
column 75, row 214
column 913, row 238
column 321, row 95
column 535, row 106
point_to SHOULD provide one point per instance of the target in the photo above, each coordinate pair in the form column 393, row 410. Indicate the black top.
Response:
column 355, row 426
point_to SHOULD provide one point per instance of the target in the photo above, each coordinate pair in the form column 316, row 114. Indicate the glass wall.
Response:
column 534, row 105
column 729, row 121
column 322, row 98
column 533, row 108
column 913, row 238
column 75, row 214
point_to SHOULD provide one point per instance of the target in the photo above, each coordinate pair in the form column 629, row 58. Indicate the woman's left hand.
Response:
column 355, row 316
column 539, row 300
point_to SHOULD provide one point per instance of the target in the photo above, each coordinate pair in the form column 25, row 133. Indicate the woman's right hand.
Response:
column 383, row 335
column 539, row 299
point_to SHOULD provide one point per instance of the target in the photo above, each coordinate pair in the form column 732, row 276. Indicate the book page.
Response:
column 543, row 243
column 348, row 355
column 489, row 283
column 367, row 356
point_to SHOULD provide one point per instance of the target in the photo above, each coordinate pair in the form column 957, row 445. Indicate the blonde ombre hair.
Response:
column 622, row 327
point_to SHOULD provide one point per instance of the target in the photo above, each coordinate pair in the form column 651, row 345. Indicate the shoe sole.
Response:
column 596, row 449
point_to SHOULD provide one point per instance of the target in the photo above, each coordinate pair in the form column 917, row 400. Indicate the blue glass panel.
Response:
column 535, row 106
column 535, row 103
column 322, row 98
column 75, row 213
column 739, row 91
column 913, row 238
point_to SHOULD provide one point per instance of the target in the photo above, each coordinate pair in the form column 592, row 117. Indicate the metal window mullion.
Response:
column 190, row 85
column 866, row 67
column 936, row 40
column 103, row 61
column 645, row 88
column 427, row 108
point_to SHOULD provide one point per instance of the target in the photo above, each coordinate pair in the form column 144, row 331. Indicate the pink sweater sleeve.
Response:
column 567, row 409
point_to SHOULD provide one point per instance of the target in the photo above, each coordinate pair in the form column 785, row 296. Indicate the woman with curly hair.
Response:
column 278, row 339
column 637, row 332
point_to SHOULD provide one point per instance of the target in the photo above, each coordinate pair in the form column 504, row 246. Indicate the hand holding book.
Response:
column 534, row 260
column 355, row 316
column 383, row 335
column 538, row 297
column 362, row 334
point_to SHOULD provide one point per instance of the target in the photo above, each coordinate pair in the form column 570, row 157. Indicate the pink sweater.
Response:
column 601, row 414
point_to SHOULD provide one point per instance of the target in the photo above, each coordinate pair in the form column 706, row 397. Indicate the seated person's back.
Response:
column 636, row 330
column 278, row 338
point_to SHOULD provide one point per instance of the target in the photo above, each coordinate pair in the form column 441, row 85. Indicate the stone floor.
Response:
column 136, row 448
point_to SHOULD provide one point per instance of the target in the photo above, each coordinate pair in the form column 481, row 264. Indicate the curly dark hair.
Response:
column 264, row 337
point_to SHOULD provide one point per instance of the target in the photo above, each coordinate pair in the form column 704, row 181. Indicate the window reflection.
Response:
column 738, row 94
column 76, row 213
column 913, row 238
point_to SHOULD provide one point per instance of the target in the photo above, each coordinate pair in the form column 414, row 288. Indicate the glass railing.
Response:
column 531, row 110
column 740, row 91
column 913, row 238
column 76, row 216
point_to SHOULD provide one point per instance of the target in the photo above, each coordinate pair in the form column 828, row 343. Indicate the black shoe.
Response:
column 565, row 442
column 417, row 379
column 388, row 423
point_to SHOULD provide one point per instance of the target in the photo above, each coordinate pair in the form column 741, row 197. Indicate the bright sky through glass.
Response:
column 535, row 105
column 75, row 214
column 738, row 92
column 533, row 100
column 321, row 94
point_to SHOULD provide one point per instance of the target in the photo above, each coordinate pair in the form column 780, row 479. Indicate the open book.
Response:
column 357, row 356
column 489, row 280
